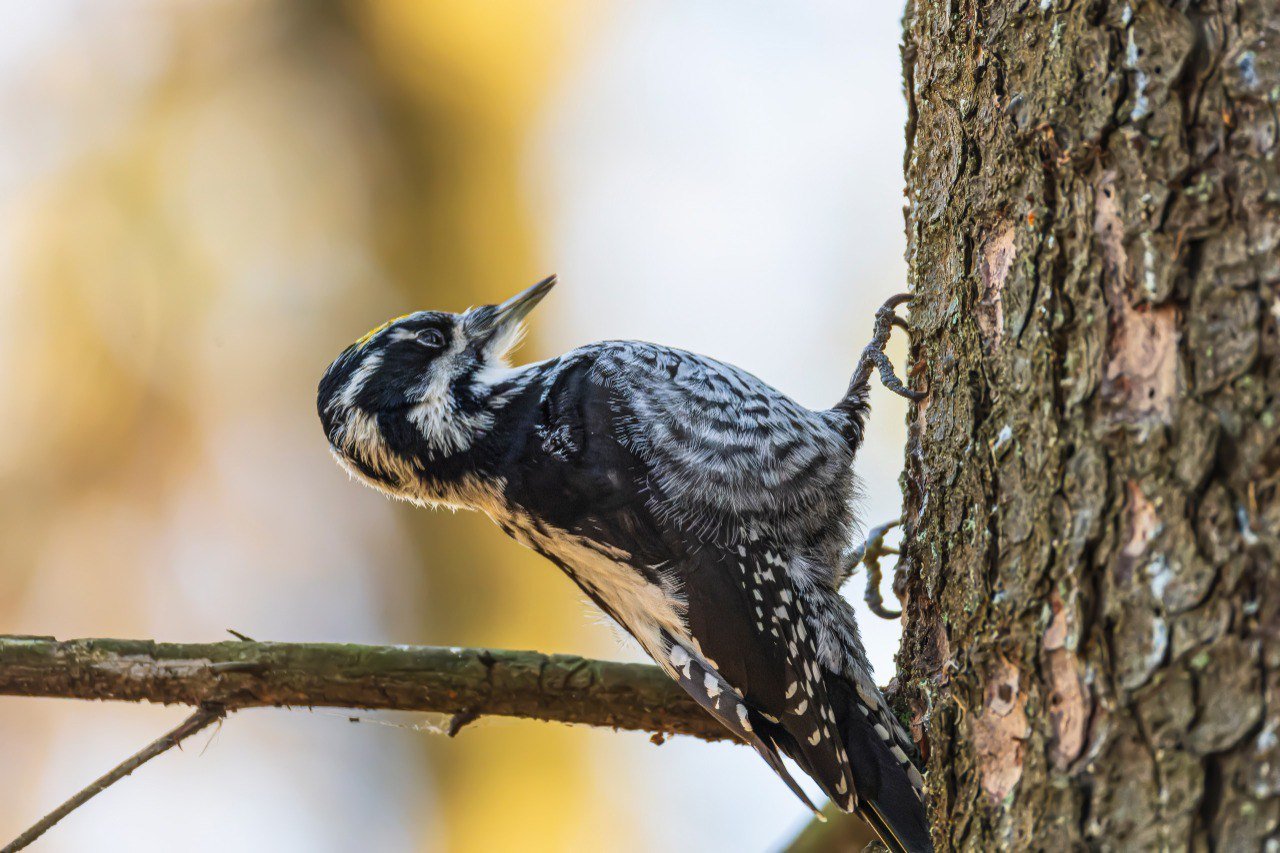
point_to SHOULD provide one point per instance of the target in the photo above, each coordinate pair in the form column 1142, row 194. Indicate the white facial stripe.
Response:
column 435, row 390
column 492, row 374
column 356, row 383
column 444, row 429
column 359, row 436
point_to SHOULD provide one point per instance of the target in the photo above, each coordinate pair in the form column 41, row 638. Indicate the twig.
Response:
column 205, row 716
column 459, row 720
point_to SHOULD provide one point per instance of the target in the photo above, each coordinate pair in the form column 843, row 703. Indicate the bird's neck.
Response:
column 457, row 441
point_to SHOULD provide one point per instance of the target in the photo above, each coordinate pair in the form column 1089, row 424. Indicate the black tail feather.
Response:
column 868, row 812
column 887, row 797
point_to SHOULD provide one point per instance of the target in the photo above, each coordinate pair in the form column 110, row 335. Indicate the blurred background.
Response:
column 203, row 201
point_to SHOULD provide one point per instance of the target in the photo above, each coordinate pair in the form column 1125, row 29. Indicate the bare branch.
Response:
column 202, row 718
column 464, row 683
column 467, row 683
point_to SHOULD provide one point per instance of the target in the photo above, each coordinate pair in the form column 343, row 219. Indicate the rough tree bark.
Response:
column 1091, row 650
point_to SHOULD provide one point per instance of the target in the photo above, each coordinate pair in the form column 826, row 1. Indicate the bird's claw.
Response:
column 886, row 319
column 869, row 555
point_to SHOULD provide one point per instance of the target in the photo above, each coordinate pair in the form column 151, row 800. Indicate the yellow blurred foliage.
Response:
column 166, row 306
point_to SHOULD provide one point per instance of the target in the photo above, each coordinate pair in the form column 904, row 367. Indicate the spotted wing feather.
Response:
column 723, row 701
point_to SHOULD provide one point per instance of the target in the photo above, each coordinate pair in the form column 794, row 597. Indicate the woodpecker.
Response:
column 704, row 511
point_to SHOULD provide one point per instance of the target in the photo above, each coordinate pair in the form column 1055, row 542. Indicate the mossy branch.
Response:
column 219, row 678
column 469, row 683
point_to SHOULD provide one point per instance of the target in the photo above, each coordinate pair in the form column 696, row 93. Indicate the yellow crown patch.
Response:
column 368, row 336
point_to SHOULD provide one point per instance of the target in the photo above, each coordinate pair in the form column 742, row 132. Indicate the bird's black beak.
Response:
column 498, row 326
column 518, row 307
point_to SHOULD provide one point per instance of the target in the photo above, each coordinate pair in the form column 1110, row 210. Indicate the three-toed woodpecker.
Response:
column 704, row 511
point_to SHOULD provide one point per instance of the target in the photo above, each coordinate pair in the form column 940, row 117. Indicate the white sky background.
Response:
column 726, row 177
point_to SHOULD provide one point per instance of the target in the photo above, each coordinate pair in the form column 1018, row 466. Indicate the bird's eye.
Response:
column 431, row 338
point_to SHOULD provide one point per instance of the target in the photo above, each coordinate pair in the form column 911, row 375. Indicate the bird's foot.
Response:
column 869, row 554
column 873, row 355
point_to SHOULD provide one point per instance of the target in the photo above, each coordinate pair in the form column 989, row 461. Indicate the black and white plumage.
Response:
column 704, row 511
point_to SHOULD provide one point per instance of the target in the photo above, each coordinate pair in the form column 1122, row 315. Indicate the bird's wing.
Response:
column 681, row 486
column 745, row 614
column 737, row 712
column 834, row 724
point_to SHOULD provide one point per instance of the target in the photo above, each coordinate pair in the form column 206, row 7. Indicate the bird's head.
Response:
column 405, row 401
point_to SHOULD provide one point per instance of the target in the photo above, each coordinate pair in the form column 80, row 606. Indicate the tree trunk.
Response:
column 1091, row 649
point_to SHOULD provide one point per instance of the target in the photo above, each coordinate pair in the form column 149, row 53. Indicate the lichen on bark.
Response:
column 1091, row 649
